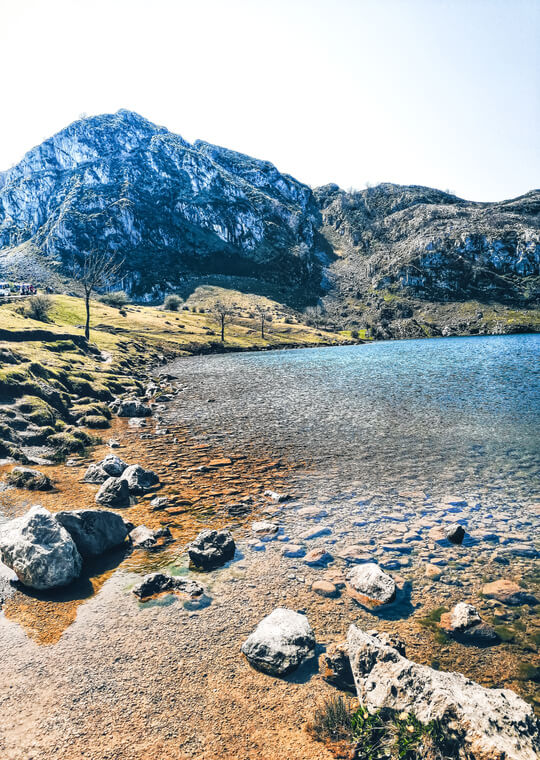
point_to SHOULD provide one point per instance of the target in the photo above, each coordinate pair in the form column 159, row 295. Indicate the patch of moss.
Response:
column 66, row 443
column 529, row 672
column 505, row 633
column 37, row 410
column 61, row 346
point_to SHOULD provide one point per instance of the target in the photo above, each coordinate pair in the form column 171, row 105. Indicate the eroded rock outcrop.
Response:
column 490, row 724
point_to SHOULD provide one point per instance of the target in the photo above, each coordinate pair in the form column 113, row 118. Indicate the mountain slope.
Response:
column 170, row 209
column 391, row 259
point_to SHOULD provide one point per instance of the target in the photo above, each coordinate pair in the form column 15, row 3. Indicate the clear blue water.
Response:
column 445, row 415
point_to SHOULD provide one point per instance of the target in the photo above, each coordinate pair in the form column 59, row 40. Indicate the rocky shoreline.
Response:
column 275, row 566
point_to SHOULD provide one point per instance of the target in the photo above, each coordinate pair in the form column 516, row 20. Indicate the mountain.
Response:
column 388, row 258
column 171, row 210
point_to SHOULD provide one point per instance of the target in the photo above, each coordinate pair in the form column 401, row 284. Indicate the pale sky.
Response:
column 442, row 93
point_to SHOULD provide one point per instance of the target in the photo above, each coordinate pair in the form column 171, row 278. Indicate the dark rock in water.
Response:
column 113, row 465
column 508, row 592
column 94, row 531
column 370, row 586
column 33, row 480
column 138, row 479
column 281, row 641
column 133, row 408
column 486, row 723
column 335, row 666
column 156, row 583
column 455, row 533
column 465, row 625
column 95, row 474
column 211, row 548
column 39, row 550
column 113, row 493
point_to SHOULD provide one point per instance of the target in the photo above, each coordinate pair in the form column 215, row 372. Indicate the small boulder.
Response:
column 280, row 642
column 94, row 531
column 465, row 625
column 264, row 528
column 211, row 548
column 370, row 586
column 336, row 667
column 317, row 558
column 156, row 583
column 39, row 550
column 276, row 497
column 158, row 503
column 293, row 551
column 113, row 465
column 325, row 588
column 95, row 474
column 146, row 538
column 138, row 479
column 33, row 480
column 455, row 533
column 113, row 493
column 133, row 408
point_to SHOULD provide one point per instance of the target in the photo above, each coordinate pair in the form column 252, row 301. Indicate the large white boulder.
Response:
column 281, row 641
column 490, row 724
column 39, row 550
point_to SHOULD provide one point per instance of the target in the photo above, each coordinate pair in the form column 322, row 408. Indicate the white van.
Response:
column 4, row 289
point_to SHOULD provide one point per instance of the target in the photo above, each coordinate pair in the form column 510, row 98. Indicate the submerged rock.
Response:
column 39, row 550
column 146, row 538
column 489, row 724
column 264, row 528
column 508, row 592
column 455, row 533
column 370, row 586
column 138, row 479
column 156, row 583
column 211, row 548
column 280, row 642
column 464, row 624
column 113, row 493
column 94, row 531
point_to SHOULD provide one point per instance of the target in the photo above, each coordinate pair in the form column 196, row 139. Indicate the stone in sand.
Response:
column 39, row 550
column 211, row 549
column 317, row 558
column 113, row 493
column 281, row 641
column 325, row 588
column 293, row 551
column 156, row 583
column 370, row 586
column 138, row 479
column 489, row 723
column 94, row 530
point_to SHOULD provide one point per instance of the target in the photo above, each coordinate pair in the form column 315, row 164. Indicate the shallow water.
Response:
column 444, row 416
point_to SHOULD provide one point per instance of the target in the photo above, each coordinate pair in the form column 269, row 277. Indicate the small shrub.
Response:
column 332, row 720
column 172, row 302
column 118, row 299
column 38, row 307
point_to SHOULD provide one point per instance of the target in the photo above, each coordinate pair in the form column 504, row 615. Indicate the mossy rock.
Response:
column 37, row 410
column 66, row 443
column 33, row 480
column 96, row 408
column 61, row 346
column 95, row 421
column 37, row 436
column 83, row 436
column 83, row 387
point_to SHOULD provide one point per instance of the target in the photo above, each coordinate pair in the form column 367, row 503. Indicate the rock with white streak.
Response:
column 370, row 585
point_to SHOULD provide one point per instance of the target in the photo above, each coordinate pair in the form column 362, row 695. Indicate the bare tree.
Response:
column 95, row 271
column 314, row 314
column 222, row 311
column 264, row 316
